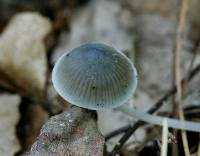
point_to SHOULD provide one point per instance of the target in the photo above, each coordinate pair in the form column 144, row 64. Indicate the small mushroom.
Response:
column 96, row 76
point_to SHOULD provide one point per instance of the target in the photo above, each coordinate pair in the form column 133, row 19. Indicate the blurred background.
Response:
column 34, row 34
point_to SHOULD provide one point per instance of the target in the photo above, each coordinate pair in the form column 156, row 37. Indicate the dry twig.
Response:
column 177, row 69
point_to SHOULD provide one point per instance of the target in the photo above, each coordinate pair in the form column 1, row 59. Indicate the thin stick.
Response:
column 178, row 47
column 184, row 135
column 177, row 63
column 164, row 138
column 193, row 59
column 117, row 132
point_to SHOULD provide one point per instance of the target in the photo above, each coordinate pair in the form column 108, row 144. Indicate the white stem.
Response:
column 153, row 119
column 164, row 138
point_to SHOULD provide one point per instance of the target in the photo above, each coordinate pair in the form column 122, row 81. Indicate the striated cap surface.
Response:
column 95, row 76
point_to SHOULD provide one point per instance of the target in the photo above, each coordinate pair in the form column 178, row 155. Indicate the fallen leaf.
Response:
column 23, row 62
column 72, row 133
column 9, row 117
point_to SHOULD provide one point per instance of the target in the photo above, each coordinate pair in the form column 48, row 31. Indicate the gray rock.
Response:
column 74, row 132
column 9, row 117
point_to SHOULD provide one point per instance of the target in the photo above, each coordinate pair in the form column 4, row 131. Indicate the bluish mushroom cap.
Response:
column 95, row 76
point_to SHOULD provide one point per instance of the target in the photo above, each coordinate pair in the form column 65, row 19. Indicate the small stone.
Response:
column 23, row 61
column 78, row 135
column 9, row 114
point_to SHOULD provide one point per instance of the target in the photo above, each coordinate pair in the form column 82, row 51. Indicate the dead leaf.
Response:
column 71, row 133
column 9, row 116
column 23, row 62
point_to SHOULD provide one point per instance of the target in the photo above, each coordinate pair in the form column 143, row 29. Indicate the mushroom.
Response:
column 96, row 76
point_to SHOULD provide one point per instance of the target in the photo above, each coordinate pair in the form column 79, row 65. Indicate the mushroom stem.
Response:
column 157, row 120
column 164, row 138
